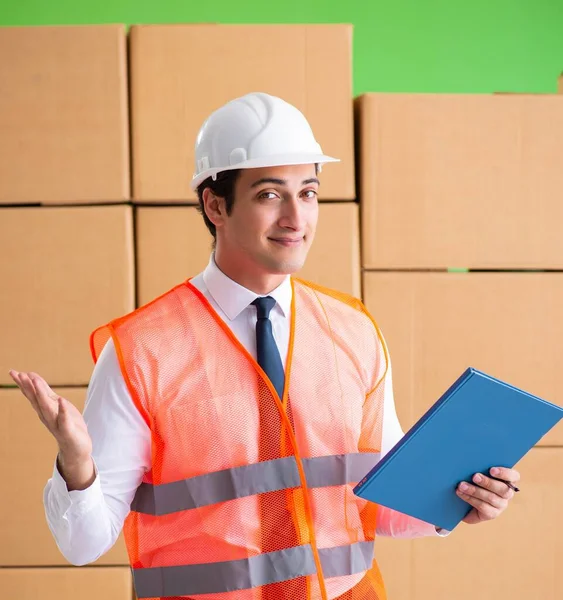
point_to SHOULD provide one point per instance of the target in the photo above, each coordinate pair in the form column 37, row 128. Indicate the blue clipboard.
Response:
column 480, row 422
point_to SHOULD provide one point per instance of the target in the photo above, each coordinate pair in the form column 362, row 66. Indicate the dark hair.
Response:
column 223, row 187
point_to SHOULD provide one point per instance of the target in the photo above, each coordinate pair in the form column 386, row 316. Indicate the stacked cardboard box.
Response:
column 468, row 182
column 180, row 73
column 460, row 181
column 67, row 222
column 463, row 260
column 175, row 85
column 66, row 238
column 63, row 115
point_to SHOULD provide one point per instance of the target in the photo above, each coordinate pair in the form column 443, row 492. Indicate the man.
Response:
column 228, row 420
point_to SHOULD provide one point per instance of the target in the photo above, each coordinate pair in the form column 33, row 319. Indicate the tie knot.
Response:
column 263, row 306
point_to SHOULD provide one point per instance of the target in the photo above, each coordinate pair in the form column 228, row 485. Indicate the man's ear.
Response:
column 214, row 206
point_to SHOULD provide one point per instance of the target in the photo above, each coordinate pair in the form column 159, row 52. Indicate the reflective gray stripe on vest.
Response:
column 272, row 567
column 339, row 469
column 267, row 476
column 346, row 560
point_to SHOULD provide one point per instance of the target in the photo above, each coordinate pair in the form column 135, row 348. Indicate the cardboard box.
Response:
column 517, row 555
column 66, row 271
column 69, row 583
column 468, row 181
column 63, row 115
column 172, row 65
column 28, row 453
column 509, row 325
column 174, row 244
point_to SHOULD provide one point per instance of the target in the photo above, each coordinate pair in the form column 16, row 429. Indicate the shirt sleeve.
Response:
column 86, row 523
column 381, row 429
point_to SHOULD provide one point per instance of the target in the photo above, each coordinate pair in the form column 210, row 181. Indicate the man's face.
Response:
column 273, row 221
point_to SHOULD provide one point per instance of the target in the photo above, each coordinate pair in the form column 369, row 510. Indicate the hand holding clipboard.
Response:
column 479, row 423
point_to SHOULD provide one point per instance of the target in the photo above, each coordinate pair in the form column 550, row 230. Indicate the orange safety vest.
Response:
column 194, row 530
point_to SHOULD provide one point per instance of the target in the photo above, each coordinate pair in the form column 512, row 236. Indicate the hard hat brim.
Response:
column 267, row 161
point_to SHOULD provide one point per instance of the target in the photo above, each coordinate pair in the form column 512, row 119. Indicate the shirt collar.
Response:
column 233, row 298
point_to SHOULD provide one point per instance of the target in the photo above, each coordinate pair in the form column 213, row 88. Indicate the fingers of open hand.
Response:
column 24, row 383
column 47, row 400
column 43, row 400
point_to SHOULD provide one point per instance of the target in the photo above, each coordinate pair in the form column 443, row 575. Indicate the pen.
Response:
column 510, row 485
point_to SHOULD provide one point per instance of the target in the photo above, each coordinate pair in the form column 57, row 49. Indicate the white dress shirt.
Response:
column 86, row 523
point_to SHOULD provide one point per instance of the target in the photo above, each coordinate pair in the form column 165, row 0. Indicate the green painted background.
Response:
column 399, row 45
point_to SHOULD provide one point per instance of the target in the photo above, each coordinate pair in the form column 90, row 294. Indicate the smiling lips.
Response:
column 288, row 242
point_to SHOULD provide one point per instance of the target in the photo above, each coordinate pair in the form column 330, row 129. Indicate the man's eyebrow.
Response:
column 269, row 180
column 277, row 181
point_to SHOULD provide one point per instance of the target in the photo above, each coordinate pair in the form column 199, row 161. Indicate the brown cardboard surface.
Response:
column 509, row 325
column 468, row 181
column 334, row 257
column 517, row 555
column 394, row 557
column 66, row 583
column 28, row 454
column 182, row 73
column 174, row 244
column 65, row 271
column 63, row 115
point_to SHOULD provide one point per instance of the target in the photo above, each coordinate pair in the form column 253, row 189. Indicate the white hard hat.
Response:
column 256, row 130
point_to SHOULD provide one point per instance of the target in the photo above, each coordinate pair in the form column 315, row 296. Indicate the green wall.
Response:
column 399, row 45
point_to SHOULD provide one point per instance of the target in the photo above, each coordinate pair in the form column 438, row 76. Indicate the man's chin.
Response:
column 285, row 267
